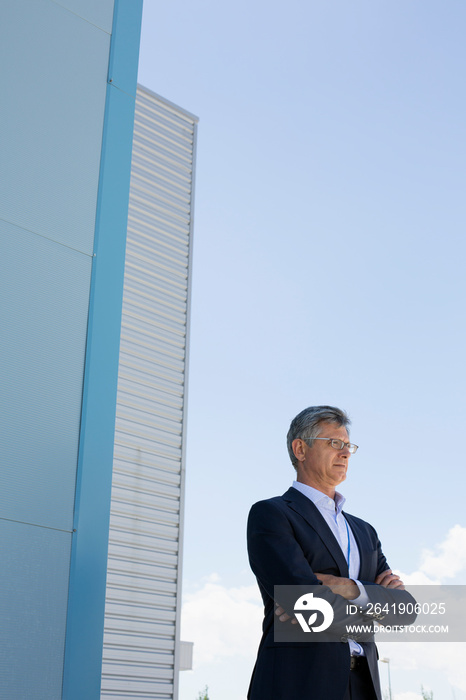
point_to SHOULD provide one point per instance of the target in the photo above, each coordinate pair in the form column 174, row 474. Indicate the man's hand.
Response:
column 389, row 580
column 345, row 587
column 283, row 616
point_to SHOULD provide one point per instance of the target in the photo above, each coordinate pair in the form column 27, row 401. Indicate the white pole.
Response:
column 385, row 660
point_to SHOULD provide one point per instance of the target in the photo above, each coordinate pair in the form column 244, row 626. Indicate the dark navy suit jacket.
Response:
column 289, row 540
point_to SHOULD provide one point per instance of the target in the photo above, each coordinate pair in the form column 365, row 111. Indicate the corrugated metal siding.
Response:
column 142, row 607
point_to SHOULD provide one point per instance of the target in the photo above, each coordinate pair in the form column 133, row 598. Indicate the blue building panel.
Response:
column 99, row 13
column 88, row 572
column 53, row 97
column 32, row 610
column 44, row 288
column 66, row 139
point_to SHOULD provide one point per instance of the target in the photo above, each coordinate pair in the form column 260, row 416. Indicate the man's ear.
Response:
column 299, row 447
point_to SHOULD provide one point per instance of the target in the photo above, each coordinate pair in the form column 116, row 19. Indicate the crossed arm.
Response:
column 347, row 588
column 277, row 557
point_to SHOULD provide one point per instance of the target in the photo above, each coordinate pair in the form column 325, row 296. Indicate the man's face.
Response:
column 321, row 465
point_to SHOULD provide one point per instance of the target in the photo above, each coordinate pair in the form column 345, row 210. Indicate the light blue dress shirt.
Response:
column 331, row 512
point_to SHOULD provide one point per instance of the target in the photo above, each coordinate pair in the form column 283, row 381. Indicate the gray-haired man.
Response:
column 304, row 538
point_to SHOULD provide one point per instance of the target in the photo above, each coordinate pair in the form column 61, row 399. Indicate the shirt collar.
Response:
column 321, row 500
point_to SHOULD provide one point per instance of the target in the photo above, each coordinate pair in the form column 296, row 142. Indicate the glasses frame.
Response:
column 349, row 445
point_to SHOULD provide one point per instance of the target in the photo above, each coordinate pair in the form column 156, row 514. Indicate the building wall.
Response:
column 144, row 562
column 56, row 59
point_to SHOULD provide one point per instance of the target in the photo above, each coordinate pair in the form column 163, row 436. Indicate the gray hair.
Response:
column 307, row 425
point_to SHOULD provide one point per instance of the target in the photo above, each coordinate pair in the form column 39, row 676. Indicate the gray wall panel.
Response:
column 44, row 288
column 32, row 610
column 53, row 95
column 144, row 559
column 99, row 13
column 53, row 85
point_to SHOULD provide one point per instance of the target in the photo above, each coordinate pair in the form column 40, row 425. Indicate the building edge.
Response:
column 176, row 672
column 87, row 585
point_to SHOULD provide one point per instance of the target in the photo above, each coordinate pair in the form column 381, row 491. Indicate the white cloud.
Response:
column 417, row 578
column 222, row 622
column 437, row 566
column 407, row 696
column 449, row 557
column 446, row 561
column 225, row 623
column 446, row 657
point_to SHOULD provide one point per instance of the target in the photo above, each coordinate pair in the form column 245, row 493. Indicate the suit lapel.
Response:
column 306, row 508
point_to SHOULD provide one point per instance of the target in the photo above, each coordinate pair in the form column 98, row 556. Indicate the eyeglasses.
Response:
column 336, row 444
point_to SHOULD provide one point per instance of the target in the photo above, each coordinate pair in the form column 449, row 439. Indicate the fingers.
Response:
column 379, row 579
column 283, row 616
column 397, row 584
column 389, row 580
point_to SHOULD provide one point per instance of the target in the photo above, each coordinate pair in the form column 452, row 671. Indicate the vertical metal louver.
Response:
column 143, row 582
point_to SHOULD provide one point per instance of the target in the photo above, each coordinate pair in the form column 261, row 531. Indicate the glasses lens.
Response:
column 337, row 444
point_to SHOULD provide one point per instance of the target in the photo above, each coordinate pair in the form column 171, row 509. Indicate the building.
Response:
column 141, row 647
column 70, row 70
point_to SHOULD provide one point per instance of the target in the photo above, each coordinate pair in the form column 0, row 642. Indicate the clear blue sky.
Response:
column 329, row 258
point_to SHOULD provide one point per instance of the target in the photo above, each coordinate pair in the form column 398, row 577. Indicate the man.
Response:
column 304, row 538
